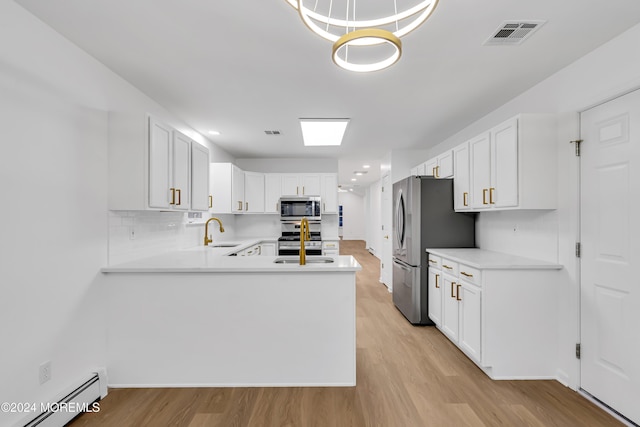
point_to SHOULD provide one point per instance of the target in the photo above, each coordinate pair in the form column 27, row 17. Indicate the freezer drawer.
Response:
column 406, row 291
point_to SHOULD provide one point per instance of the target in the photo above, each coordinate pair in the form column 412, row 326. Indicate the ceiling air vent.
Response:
column 272, row 132
column 513, row 32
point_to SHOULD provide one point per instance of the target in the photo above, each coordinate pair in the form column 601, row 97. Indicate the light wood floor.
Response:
column 406, row 376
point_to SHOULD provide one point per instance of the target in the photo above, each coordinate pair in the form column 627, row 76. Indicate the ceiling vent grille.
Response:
column 513, row 32
column 272, row 132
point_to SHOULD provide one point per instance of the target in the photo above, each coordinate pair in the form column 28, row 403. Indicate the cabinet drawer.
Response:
column 450, row 267
column 470, row 274
column 435, row 261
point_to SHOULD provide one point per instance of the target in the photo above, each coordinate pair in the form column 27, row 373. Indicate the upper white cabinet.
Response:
column 254, row 194
column 300, row 184
column 150, row 166
column 439, row 167
column 329, row 193
column 227, row 188
column 272, row 192
column 200, row 196
column 513, row 165
column 461, row 180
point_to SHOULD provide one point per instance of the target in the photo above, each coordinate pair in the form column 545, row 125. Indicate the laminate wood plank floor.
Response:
column 406, row 376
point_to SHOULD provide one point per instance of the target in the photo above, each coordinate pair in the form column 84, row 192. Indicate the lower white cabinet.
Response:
column 500, row 310
column 330, row 247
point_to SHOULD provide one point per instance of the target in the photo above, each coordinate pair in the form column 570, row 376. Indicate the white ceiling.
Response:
column 243, row 67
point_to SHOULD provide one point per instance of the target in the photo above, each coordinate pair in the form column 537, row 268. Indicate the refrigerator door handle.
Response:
column 402, row 265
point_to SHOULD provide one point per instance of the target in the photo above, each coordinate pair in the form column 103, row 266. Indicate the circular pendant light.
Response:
column 335, row 21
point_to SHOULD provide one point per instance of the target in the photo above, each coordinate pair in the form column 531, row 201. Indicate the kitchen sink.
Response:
column 223, row 245
column 310, row 260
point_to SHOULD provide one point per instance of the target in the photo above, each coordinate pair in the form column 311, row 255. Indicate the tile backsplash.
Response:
column 140, row 234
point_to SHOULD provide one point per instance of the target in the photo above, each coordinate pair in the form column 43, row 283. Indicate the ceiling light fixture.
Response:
column 317, row 132
column 366, row 166
column 214, row 132
column 363, row 45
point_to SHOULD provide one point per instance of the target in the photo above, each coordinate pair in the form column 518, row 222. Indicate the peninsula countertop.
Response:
column 212, row 259
column 490, row 260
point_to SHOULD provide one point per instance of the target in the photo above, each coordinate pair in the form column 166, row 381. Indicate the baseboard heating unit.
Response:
column 72, row 402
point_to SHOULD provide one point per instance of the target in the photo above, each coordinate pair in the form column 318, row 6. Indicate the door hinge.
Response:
column 382, row 264
column 382, row 189
column 577, row 142
column 578, row 249
column 578, row 351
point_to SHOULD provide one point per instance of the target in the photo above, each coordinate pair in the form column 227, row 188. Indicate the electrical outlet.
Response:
column 45, row 372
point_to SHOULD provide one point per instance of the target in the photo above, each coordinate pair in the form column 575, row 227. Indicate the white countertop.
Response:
column 203, row 259
column 489, row 260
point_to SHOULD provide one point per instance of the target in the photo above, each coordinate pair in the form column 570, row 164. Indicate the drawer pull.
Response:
column 453, row 290
column 179, row 196
column 491, row 190
column 173, row 196
column 466, row 274
column 465, row 198
column 437, row 285
column 239, row 205
column 447, row 267
column 210, row 202
column 431, row 261
column 484, row 196
column 458, row 292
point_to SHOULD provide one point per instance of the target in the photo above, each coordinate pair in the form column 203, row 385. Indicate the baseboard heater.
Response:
column 72, row 403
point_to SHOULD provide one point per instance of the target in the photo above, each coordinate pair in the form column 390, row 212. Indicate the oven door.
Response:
column 293, row 249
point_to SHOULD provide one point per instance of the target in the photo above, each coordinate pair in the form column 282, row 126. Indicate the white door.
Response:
column 610, row 235
column 386, row 267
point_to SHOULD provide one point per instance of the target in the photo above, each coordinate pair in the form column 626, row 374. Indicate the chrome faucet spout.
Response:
column 305, row 235
column 207, row 238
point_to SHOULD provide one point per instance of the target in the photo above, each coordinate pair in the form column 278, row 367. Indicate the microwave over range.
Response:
column 294, row 208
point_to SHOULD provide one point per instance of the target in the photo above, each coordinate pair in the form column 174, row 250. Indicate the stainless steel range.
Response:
column 289, row 242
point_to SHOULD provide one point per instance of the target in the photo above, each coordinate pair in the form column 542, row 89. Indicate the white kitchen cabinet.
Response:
column 443, row 167
column 301, row 184
column 450, row 307
column 272, row 192
column 329, row 193
column 500, row 310
column 428, row 168
column 435, row 290
column 254, row 192
column 169, row 158
column 513, row 166
column 461, row 180
column 330, row 247
column 200, row 195
column 227, row 188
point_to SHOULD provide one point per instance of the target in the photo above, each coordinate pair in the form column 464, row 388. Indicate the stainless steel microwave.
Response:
column 294, row 208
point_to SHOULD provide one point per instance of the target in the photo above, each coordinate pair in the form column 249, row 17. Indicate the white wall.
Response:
column 316, row 165
column 607, row 72
column 54, row 100
column 353, row 214
column 373, row 219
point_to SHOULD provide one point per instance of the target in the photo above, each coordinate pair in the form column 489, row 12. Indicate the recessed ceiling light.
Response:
column 366, row 166
column 214, row 132
column 359, row 173
column 353, row 179
column 351, row 189
column 316, row 132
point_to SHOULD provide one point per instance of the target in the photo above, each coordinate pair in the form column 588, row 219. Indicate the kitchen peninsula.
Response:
column 197, row 317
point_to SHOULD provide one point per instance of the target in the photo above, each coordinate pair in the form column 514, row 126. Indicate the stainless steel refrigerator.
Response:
column 423, row 217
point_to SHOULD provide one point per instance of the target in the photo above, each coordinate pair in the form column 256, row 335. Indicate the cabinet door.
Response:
column 272, row 192
column 461, row 179
column 430, row 167
column 237, row 189
column 480, row 171
column 444, row 169
column 435, row 296
column 160, row 193
column 200, row 200
column 421, row 169
column 220, row 185
column 450, row 307
column 470, row 320
column 504, row 165
column 253, row 192
column 310, row 185
column 290, row 185
column 181, row 156
column 329, row 194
